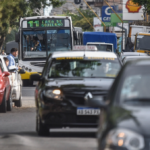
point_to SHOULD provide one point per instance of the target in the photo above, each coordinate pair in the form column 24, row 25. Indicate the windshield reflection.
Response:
column 84, row 68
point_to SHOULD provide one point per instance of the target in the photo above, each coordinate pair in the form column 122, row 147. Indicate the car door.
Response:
column 6, row 81
column 6, row 69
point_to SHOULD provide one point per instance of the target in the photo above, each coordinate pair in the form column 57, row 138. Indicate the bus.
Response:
column 39, row 36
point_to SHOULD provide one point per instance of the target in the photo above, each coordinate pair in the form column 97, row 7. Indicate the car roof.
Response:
column 136, row 57
column 82, row 53
column 139, row 62
column 133, row 54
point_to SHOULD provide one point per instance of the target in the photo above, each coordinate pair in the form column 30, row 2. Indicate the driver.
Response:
column 36, row 46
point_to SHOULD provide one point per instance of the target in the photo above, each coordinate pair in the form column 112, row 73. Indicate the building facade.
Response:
column 68, row 6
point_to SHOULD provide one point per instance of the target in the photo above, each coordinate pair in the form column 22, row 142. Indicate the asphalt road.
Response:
column 17, row 131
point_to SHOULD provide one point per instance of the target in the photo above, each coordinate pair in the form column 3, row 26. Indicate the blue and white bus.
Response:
column 41, row 35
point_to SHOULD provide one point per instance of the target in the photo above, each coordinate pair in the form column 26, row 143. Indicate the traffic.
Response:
column 76, row 78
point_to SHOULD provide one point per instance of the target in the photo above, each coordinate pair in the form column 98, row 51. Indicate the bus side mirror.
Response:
column 17, row 37
column 75, row 35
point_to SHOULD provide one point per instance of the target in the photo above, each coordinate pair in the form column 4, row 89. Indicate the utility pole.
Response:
column 120, row 20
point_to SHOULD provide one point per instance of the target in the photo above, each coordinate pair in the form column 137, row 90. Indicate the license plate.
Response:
column 88, row 111
column 35, row 83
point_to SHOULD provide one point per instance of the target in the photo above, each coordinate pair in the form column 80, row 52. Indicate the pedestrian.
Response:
column 3, row 52
column 11, row 57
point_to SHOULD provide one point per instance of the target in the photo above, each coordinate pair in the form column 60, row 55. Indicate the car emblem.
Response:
column 88, row 96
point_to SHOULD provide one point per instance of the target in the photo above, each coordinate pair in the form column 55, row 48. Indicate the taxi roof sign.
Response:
column 85, row 47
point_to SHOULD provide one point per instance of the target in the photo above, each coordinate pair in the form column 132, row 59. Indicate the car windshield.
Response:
column 84, row 68
column 102, row 47
column 135, row 86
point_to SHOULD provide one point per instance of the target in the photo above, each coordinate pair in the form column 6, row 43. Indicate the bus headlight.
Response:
column 54, row 94
column 125, row 138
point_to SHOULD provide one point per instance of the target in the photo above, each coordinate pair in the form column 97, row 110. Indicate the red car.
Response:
column 5, row 91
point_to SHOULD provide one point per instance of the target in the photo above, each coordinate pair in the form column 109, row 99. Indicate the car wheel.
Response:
column 9, row 103
column 3, row 106
column 41, row 128
column 18, row 103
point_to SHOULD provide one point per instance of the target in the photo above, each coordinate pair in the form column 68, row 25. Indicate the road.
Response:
column 17, row 131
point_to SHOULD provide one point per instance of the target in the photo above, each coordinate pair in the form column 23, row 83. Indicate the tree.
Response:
column 12, row 10
column 145, row 3
column 79, row 21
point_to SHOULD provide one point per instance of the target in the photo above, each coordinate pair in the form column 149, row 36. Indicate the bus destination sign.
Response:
column 45, row 23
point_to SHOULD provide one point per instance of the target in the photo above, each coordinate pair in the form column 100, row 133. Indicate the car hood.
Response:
column 80, row 85
column 134, row 118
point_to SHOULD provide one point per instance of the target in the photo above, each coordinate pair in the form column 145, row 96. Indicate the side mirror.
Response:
column 12, row 68
column 96, row 101
column 35, row 77
column 17, row 37
column 5, row 74
column 21, row 71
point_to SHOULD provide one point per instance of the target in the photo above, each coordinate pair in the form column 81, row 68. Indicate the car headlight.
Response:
column 55, row 94
column 125, row 138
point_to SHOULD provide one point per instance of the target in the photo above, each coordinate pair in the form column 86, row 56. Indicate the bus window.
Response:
column 58, row 40
column 34, row 44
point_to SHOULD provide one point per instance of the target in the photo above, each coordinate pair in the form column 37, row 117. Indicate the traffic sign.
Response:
column 106, row 13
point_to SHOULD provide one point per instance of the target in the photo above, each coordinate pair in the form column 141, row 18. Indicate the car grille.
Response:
column 79, row 99
column 76, row 100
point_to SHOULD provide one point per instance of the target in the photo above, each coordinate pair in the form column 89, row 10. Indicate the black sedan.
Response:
column 124, row 120
column 68, row 79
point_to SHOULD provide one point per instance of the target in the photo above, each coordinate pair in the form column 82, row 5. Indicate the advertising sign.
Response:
column 97, row 24
column 109, row 24
column 132, row 11
column 106, row 13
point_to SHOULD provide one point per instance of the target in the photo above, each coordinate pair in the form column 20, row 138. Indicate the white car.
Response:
column 15, row 82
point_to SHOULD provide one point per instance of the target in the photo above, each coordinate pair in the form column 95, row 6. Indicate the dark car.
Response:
column 129, row 58
column 124, row 54
column 124, row 119
column 67, row 80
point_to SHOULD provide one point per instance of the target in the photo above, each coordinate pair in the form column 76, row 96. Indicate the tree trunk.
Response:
column 2, row 39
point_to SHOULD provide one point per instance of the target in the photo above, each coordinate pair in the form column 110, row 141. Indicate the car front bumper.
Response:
column 64, row 114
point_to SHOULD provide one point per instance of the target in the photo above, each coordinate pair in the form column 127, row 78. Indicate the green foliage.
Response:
column 145, row 3
column 84, row 24
column 79, row 21
column 12, row 10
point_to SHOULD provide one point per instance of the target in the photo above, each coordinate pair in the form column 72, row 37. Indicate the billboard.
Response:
column 97, row 24
column 132, row 11
column 106, row 13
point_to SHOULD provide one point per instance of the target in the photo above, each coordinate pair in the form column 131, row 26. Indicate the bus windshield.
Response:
column 142, row 42
column 39, row 43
